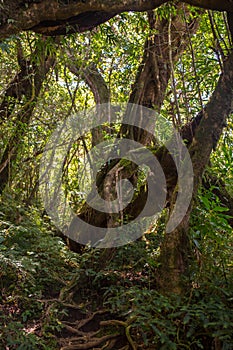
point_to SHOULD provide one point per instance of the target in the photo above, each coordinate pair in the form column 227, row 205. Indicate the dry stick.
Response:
column 7, row 161
column 186, row 102
column 73, row 106
column 220, row 37
column 81, row 68
column 172, row 70
column 60, row 131
column 119, row 193
column 217, row 49
column 110, row 76
column 228, row 29
column 193, row 60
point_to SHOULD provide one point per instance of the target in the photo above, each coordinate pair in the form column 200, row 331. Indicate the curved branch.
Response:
column 93, row 79
column 52, row 17
column 210, row 129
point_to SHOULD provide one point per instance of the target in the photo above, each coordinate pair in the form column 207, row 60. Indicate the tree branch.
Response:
column 93, row 79
column 27, row 83
column 210, row 129
column 52, row 17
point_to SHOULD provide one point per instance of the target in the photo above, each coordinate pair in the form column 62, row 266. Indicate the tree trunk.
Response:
column 148, row 90
column 26, row 84
column 175, row 250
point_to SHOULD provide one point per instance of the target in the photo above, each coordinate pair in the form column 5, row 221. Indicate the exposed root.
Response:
column 79, row 334
column 71, row 306
column 126, row 325
column 130, row 340
column 83, row 339
column 109, row 345
column 82, row 323
column 73, row 330
column 89, row 332
column 91, row 344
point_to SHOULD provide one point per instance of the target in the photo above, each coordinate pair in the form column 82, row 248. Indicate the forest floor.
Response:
column 52, row 298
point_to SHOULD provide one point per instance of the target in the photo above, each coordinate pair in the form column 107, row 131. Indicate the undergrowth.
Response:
column 41, row 280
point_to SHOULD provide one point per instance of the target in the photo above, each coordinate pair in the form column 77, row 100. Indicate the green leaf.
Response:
column 205, row 201
column 220, row 209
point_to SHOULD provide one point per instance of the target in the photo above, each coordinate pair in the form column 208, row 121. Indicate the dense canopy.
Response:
column 156, row 74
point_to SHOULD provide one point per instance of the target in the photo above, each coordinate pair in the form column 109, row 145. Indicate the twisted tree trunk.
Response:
column 148, row 90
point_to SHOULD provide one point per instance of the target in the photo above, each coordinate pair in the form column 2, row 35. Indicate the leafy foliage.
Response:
column 43, row 284
column 35, row 265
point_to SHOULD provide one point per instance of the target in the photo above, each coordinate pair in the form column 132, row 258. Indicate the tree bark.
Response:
column 174, row 256
column 52, row 17
column 148, row 90
column 99, row 88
